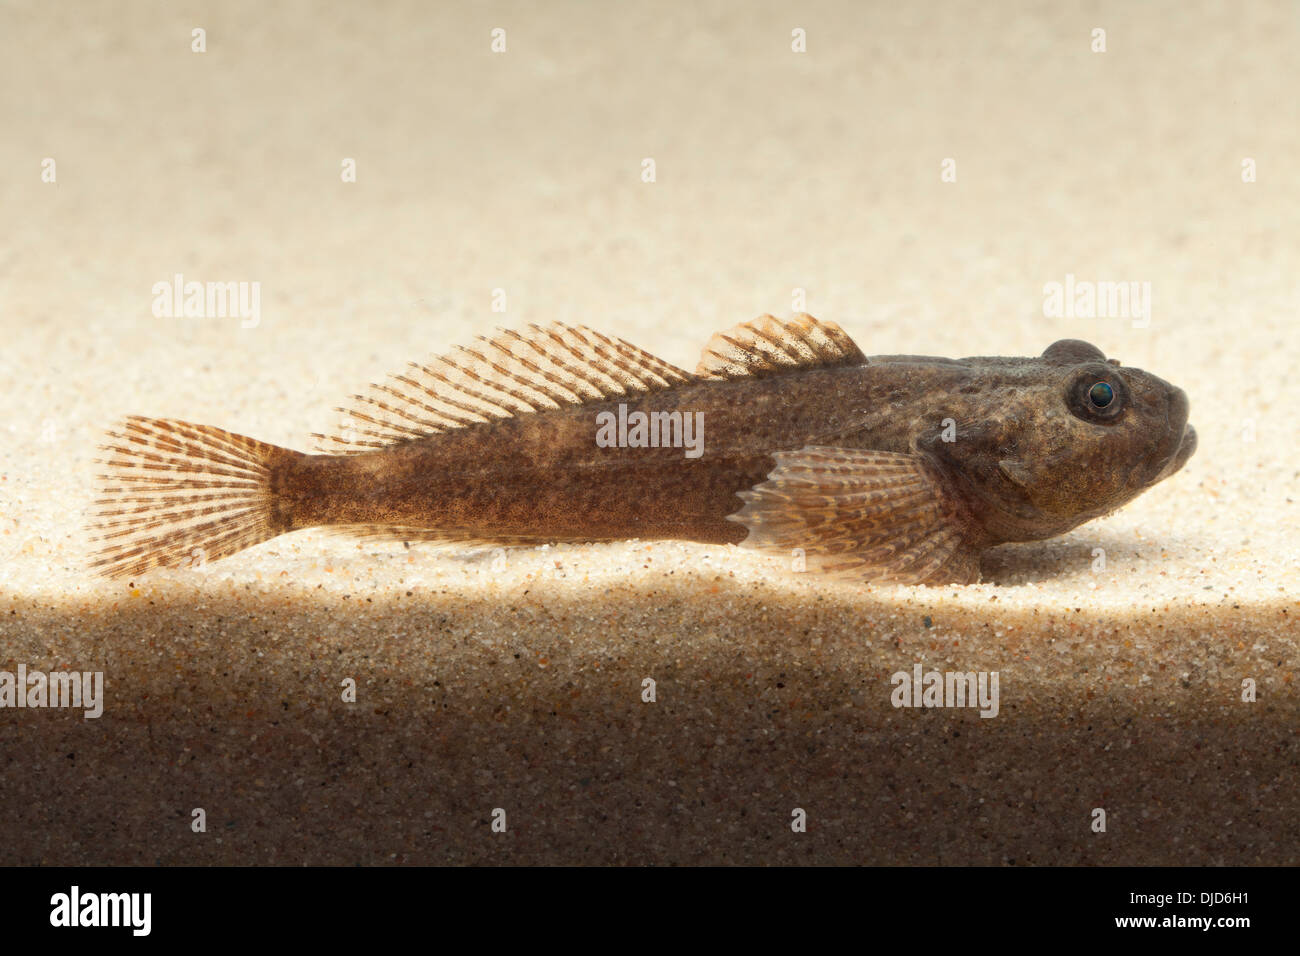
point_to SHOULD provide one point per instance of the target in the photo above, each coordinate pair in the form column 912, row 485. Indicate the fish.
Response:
column 786, row 438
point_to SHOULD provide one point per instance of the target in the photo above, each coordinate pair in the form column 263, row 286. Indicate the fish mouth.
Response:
column 1186, row 448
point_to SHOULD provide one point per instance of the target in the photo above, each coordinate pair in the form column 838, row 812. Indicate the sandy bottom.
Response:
column 514, row 681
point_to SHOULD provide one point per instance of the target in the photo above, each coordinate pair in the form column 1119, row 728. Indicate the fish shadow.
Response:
column 1083, row 556
column 668, row 719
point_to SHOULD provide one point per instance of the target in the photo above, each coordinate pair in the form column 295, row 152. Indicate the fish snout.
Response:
column 1178, row 409
column 1181, row 430
column 1185, row 450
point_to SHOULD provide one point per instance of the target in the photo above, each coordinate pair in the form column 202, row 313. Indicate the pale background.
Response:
column 521, row 171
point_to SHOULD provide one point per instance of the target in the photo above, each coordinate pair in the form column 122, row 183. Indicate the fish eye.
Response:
column 1096, row 394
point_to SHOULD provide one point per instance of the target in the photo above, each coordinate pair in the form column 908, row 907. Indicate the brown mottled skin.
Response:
column 897, row 468
column 541, row 477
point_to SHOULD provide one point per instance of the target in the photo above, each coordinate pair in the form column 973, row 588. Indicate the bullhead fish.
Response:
column 786, row 438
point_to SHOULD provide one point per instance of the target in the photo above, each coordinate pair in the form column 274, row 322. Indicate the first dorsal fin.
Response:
column 771, row 346
column 513, row 373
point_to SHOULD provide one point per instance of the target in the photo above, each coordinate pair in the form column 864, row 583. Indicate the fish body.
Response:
column 542, row 477
column 786, row 438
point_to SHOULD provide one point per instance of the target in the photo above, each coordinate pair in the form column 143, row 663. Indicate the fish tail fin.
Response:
column 175, row 494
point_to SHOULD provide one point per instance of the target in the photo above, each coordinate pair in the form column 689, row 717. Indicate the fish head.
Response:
column 1062, row 439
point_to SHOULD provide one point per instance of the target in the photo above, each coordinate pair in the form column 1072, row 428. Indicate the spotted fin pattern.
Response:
column 770, row 346
column 867, row 515
column 513, row 373
column 176, row 494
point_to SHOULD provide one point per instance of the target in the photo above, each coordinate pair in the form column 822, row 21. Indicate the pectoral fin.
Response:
column 869, row 515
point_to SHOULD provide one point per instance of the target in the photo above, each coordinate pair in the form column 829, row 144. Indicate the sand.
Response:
column 515, row 681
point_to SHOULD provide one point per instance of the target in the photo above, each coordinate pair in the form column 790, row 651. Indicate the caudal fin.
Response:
column 177, row 494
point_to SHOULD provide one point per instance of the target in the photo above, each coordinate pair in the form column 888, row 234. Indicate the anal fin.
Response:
column 868, row 515
column 450, row 537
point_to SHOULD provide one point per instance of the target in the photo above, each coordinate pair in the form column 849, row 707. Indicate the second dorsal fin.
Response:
column 771, row 346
